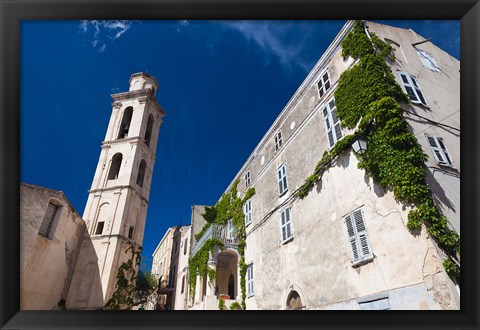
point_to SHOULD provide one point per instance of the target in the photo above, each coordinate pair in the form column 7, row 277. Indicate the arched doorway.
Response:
column 231, row 287
column 294, row 301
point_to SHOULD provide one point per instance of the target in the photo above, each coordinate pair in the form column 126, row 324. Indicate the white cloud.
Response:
column 103, row 30
column 274, row 38
column 181, row 25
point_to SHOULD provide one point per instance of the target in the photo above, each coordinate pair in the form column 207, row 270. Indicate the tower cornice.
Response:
column 142, row 95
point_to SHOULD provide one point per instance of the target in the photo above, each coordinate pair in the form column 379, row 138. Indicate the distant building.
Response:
column 345, row 245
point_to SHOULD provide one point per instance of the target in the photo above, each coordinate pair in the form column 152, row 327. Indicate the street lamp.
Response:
column 359, row 144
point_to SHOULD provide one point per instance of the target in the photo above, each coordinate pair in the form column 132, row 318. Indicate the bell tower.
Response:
column 116, row 208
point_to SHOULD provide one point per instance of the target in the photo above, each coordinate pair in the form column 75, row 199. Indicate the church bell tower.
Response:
column 116, row 208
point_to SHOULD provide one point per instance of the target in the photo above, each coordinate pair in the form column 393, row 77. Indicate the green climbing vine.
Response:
column 368, row 97
column 229, row 207
column 132, row 289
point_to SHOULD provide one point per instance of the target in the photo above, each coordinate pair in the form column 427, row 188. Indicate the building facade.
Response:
column 346, row 245
column 51, row 232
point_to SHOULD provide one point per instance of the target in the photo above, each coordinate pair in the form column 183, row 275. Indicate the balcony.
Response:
column 227, row 234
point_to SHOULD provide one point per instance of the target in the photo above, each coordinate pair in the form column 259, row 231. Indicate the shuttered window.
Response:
column 439, row 150
column 332, row 123
column 282, row 179
column 286, row 225
column 427, row 60
column 46, row 229
column 358, row 237
column 323, row 84
column 248, row 212
column 412, row 88
column 250, row 291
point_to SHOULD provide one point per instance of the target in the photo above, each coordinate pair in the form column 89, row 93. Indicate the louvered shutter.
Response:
column 358, row 237
column 361, row 234
column 352, row 237
column 48, row 220
column 284, row 232
column 328, row 126
column 428, row 61
column 444, row 150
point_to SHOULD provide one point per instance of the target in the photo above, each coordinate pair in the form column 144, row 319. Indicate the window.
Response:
column 115, row 166
column 230, row 233
column 286, row 225
column 99, row 229
column 125, row 125
column 411, row 87
column 248, row 212
column 47, row 228
column 148, row 132
column 278, row 141
column 378, row 304
column 250, row 291
column 141, row 173
column 247, row 179
column 358, row 237
column 439, row 150
column 185, row 246
column 332, row 123
column 172, row 277
column 183, row 284
column 323, row 84
column 282, row 179
column 130, row 232
column 428, row 61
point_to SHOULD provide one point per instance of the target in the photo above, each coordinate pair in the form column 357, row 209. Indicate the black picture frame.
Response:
column 13, row 12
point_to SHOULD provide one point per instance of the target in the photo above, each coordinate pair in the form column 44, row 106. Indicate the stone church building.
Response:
column 71, row 262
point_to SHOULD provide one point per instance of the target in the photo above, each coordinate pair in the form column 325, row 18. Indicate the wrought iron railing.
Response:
column 224, row 233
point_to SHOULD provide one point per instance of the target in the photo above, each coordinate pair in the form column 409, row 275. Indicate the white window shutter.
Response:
column 417, row 89
column 428, row 61
column 358, row 237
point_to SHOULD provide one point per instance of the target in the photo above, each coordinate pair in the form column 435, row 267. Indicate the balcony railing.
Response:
column 224, row 233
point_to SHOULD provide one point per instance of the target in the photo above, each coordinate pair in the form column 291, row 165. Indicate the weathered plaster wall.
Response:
column 46, row 264
column 442, row 93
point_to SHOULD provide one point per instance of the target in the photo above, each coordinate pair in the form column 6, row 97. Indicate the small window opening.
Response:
column 48, row 220
column 130, row 232
column 125, row 125
column 115, row 166
column 148, row 132
column 141, row 173
column 99, row 230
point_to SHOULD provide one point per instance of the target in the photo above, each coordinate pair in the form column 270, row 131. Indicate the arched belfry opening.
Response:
column 294, row 301
column 115, row 166
column 148, row 131
column 141, row 173
column 125, row 125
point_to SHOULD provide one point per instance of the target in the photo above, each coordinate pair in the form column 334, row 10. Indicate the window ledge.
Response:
column 287, row 240
column 283, row 193
column 362, row 262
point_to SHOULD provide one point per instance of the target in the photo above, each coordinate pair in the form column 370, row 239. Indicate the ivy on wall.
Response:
column 368, row 97
column 229, row 207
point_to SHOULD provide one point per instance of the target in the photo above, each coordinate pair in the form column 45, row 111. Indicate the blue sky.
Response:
column 222, row 84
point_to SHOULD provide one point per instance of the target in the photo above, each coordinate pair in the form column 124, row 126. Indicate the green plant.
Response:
column 228, row 207
column 131, row 289
column 451, row 268
column 221, row 305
